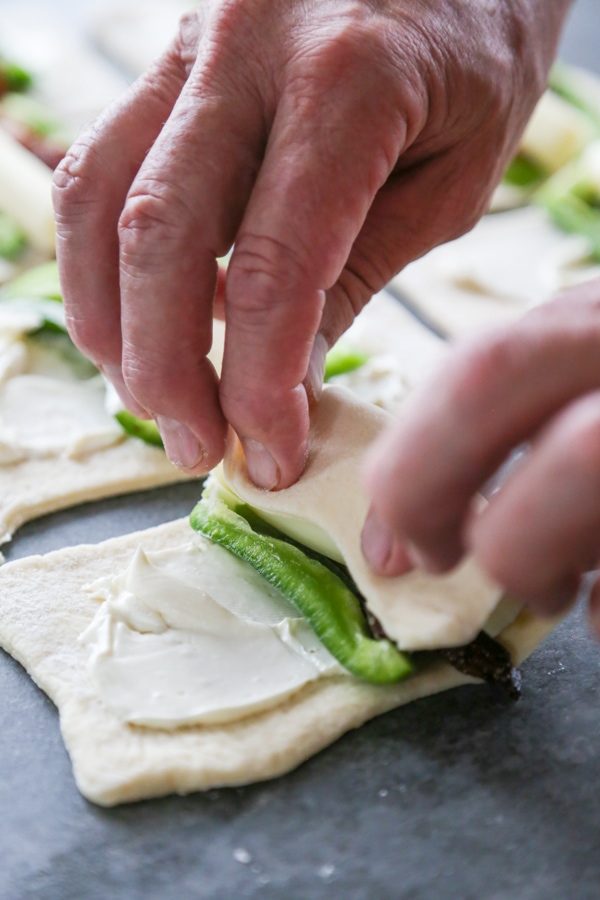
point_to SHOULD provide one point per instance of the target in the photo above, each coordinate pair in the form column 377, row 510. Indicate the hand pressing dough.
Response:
column 44, row 610
column 326, row 510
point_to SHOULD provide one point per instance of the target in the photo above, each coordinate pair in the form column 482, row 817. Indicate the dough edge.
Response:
column 36, row 487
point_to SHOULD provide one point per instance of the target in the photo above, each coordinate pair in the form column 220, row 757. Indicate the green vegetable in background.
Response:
column 28, row 111
column 572, row 197
column 331, row 609
column 523, row 172
column 38, row 290
column 13, row 77
column 40, row 281
column 577, row 88
column 342, row 358
column 12, row 239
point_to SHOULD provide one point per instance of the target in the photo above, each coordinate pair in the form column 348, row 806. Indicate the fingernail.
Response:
column 382, row 549
column 181, row 445
column 316, row 368
column 115, row 376
column 262, row 468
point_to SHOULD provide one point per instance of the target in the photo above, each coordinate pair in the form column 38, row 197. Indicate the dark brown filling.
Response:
column 487, row 659
column 483, row 657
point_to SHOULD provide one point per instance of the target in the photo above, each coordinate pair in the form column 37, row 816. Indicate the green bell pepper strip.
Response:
column 145, row 430
column 333, row 611
column 261, row 526
column 342, row 359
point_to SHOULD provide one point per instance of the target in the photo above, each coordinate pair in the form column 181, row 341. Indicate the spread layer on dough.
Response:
column 193, row 635
column 326, row 510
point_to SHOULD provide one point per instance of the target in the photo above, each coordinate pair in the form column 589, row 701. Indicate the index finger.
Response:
column 309, row 203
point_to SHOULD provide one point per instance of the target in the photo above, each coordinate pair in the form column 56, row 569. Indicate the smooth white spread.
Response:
column 381, row 381
column 41, row 416
column 45, row 408
column 194, row 635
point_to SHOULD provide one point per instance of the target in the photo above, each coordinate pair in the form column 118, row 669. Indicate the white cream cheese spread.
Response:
column 194, row 635
column 381, row 381
column 45, row 408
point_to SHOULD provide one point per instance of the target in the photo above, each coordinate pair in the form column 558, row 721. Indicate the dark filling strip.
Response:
column 483, row 657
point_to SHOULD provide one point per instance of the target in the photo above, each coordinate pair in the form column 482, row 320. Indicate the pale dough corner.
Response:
column 43, row 610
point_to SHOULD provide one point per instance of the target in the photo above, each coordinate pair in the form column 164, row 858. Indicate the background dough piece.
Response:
column 43, row 610
column 489, row 277
column 35, row 487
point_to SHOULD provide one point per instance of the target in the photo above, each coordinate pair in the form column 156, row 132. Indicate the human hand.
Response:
column 333, row 142
column 537, row 380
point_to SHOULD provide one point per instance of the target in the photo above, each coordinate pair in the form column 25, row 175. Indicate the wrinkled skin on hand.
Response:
column 333, row 142
column 536, row 381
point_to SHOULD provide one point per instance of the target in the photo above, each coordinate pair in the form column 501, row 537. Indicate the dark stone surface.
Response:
column 463, row 795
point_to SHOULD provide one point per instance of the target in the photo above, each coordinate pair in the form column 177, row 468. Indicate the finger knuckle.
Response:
column 79, row 181
column 257, row 410
column 263, row 269
column 371, row 264
column 150, row 224
column 147, row 380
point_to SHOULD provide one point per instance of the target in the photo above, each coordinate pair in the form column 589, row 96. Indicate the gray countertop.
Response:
column 464, row 794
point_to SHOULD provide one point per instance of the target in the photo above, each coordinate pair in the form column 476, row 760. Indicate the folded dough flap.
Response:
column 326, row 510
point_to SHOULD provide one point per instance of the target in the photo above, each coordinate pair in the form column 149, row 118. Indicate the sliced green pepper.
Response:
column 145, row 430
column 331, row 609
column 342, row 359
